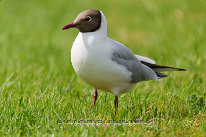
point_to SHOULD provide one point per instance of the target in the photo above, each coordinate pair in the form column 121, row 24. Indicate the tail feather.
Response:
column 160, row 75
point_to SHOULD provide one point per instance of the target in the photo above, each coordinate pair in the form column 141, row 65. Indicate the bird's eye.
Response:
column 88, row 18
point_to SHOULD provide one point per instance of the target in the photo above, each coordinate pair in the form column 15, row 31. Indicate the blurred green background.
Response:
column 38, row 85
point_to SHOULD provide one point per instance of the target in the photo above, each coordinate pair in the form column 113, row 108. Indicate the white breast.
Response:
column 91, row 61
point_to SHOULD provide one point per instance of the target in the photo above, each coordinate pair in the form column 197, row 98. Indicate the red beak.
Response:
column 72, row 25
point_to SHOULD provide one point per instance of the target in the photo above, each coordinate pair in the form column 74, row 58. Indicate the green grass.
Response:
column 39, row 87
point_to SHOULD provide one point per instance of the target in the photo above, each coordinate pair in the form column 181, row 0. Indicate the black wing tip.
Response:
column 159, row 66
column 182, row 70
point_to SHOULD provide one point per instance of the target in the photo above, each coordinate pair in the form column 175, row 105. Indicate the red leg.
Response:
column 95, row 97
column 116, row 104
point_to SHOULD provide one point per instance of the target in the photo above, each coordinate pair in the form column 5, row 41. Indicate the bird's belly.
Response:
column 104, row 79
column 100, row 72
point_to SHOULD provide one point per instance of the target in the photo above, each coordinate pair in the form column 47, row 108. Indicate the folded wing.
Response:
column 124, row 57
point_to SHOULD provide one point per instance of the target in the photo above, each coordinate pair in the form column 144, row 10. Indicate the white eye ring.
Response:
column 88, row 18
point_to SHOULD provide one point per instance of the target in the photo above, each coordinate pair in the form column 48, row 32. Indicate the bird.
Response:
column 106, row 64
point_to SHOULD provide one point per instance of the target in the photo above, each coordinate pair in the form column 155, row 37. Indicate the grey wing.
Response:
column 123, row 56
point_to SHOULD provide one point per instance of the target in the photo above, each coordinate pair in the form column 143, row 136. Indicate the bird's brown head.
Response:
column 86, row 21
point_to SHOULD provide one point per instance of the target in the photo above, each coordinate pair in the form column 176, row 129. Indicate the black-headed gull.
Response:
column 106, row 64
